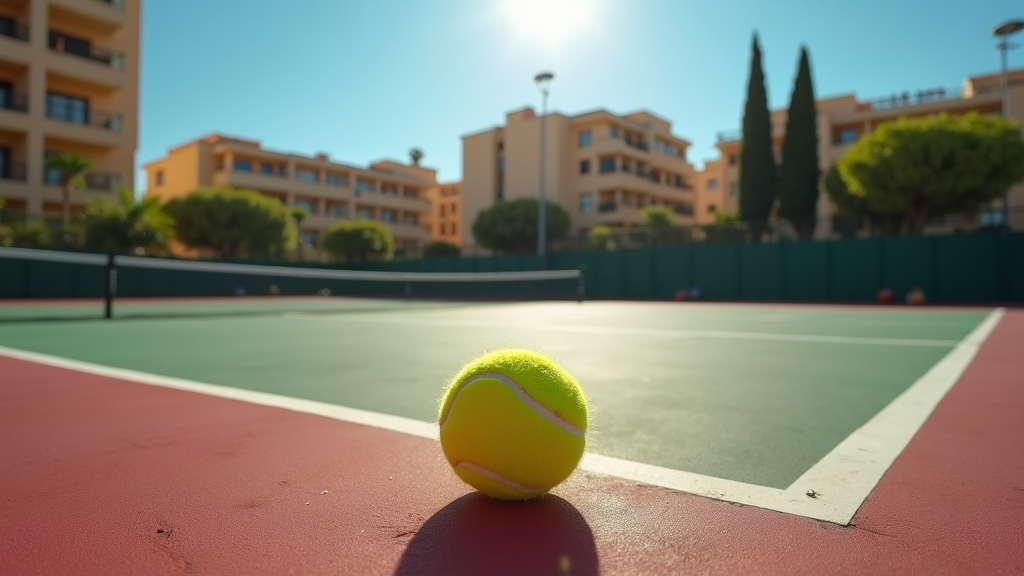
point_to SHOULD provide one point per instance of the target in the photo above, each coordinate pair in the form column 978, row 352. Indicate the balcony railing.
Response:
column 103, row 181
column 17, row 101
column 64, row 44
column 92, row 117
column 13, row 170
column 730, row 135
column 607, row 207
column 12, row 29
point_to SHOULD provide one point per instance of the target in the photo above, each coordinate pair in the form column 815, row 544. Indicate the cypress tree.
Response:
column 757, row 162
column 798, row 181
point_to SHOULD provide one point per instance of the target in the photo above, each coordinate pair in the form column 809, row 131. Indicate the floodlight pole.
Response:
column 1003, row 33
column 543, row 80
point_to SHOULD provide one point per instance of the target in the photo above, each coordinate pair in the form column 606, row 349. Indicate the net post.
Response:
column 581, row 284
column 109, row 287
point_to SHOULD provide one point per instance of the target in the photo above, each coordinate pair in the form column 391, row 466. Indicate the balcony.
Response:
column 16, row 101
column 14, row 171
column 12, row 29
column 93, row 181
column 91, row 117
column 65, row 44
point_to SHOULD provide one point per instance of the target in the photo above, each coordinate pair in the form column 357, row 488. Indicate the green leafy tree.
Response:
column 932, row 165
column 232, row 222
column 128, row 225
column 757, row 161
column 799, row 173
column 359, row 241
column 25, row 235
column 441, row 249
column 657, row 216
column 416, row 154
column 71, row 169
column 602, row 238
column 510, row 226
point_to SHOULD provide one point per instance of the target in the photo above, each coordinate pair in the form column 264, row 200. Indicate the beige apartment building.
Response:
column 445, row 219
column 603, row 168
column 69, row 81
column 389, row 192
column 842, row 120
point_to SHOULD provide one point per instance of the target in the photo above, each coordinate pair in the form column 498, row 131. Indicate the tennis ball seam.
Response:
column 506, row 482
column 519, row 391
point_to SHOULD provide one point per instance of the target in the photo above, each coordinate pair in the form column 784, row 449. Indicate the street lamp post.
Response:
column 543, row 80
column 1003, row 33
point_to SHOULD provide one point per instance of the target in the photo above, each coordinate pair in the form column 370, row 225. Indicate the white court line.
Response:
column 841, row 480
column 671, row 333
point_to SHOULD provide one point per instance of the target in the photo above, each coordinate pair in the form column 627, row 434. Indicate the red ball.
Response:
column 886, row 296
column 682, row 295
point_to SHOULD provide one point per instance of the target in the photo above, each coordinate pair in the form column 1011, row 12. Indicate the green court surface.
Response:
column 756, row 394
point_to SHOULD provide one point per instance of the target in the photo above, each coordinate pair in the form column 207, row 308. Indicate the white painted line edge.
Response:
column 842, row 479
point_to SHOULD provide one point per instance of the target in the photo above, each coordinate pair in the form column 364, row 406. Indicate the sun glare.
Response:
column 549, row 22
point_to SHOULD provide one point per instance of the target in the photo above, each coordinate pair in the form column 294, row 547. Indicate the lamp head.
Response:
column 1008, row 28
column 543, row 80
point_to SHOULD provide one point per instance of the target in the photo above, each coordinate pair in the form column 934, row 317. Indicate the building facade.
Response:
column 445, row 219
column 389, row 192
column 843, row 120
column 69, row 81
column 602, row 168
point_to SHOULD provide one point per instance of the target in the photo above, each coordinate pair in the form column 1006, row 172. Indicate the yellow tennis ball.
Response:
column 513, row 424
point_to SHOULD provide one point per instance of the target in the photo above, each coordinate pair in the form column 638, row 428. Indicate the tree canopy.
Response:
column 71, row 169
column 359, row 241
column 915, row 167
column 799, row 172
column 441, row 249
column 601, row 238
column 757, row 160
column 128, row 225
column 510, row 226
column 657, row 216
column 233, row 222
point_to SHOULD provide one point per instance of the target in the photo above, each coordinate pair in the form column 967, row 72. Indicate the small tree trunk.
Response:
column 66, row 197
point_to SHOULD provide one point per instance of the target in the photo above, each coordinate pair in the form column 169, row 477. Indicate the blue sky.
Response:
column 368, row 80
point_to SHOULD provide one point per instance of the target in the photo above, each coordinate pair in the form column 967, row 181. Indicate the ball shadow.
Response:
column 479, row 535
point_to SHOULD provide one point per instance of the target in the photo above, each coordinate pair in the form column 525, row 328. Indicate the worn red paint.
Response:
column 101, row 476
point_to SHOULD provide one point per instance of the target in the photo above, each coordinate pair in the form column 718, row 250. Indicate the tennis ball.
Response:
column 513, row 424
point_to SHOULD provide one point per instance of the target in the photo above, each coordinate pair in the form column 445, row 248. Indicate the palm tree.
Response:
column 72, row 169
column 129, row 225
column 416, row 154
column 299, row 214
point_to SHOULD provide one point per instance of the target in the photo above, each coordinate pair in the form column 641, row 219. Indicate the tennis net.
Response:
column 45, row 284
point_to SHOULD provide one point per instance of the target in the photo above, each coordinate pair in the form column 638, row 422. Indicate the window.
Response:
column 67, row 108
column 455, row 228
column 732, row 159
column 306, row 205
column 607, row 165
column 307, row 175
column 501, row 163
column 454, row 209
column 586, row 203
column 712, row 184
column 242, row 165
column 584, row 166
column 991, row 217
column 444, row 228
column 411, row 219
column 364, row 214
column 614, row 131
column 847, row 136
column 410, row 192
column 442, row 210
column 387, row 215
column 585, row 139
column 339, row 210
column 734, row 190
column 336, row 180
column 363, row 187
column 309, row 238
column 389, row 190
column 267, row 169
column 712, row 208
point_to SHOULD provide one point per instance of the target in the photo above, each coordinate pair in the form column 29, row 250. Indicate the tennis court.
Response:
column 808, row 420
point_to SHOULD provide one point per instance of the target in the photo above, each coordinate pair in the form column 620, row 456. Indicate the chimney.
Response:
column 322, row 156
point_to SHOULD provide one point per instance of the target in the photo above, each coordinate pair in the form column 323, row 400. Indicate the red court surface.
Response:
column 102, row 476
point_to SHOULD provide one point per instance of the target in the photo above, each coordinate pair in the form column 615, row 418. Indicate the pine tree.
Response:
column 757, row 162
column 799, row 174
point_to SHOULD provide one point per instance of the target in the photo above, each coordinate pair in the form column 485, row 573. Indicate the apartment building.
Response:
column 445, row 219
column 603, row 168
column 389, row 192
column 69, row 81
column 843, row 120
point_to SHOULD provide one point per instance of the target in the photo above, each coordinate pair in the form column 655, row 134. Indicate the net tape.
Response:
column 294, row 272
